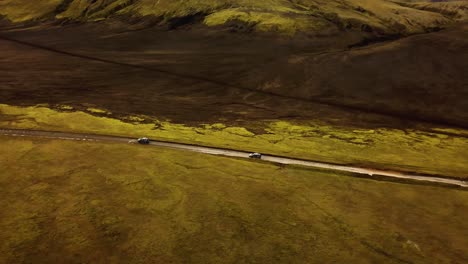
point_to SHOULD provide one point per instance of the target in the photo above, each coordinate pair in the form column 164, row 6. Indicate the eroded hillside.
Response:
column 310, row 17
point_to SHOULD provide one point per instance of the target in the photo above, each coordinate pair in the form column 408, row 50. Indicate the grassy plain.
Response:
column 384, row 148
column 78, row 202
column 69, row 202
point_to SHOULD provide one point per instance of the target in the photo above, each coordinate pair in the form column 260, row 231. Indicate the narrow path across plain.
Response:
column 234, row 153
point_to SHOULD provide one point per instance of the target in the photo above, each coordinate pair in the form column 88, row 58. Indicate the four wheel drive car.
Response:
column 255, row 156
column 144, row 141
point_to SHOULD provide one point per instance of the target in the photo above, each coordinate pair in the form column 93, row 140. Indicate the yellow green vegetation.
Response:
column 267, row 21
column 19, row 11
column 408, row 150
column 98, row 9
column 81, row 202
column 455, row 9
column 284, row 16
column 313, row 16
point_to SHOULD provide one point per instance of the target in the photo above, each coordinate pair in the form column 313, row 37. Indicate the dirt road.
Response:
column 233, row 153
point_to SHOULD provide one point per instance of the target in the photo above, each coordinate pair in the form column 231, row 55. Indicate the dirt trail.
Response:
column 239, row 154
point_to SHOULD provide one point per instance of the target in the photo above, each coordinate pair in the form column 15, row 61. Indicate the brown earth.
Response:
column 202, row 74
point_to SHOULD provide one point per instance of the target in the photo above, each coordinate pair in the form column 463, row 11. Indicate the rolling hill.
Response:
column 310, row 17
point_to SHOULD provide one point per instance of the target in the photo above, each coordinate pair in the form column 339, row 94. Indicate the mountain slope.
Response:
column 287, row 17
column 455, row 9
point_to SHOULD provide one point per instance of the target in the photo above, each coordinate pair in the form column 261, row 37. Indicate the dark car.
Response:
column 255, row 155
column 143, row 141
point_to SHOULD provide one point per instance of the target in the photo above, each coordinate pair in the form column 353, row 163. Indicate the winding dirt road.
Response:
column 233, row 153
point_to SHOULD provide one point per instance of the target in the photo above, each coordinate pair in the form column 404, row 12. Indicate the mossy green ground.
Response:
column 383, row 148
column 79, row 202
column 19, row 11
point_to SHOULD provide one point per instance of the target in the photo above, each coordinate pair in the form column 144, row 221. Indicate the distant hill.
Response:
column 310, row 17
column 454, row 9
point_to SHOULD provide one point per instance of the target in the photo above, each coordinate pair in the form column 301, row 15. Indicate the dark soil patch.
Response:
column 204, row 75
